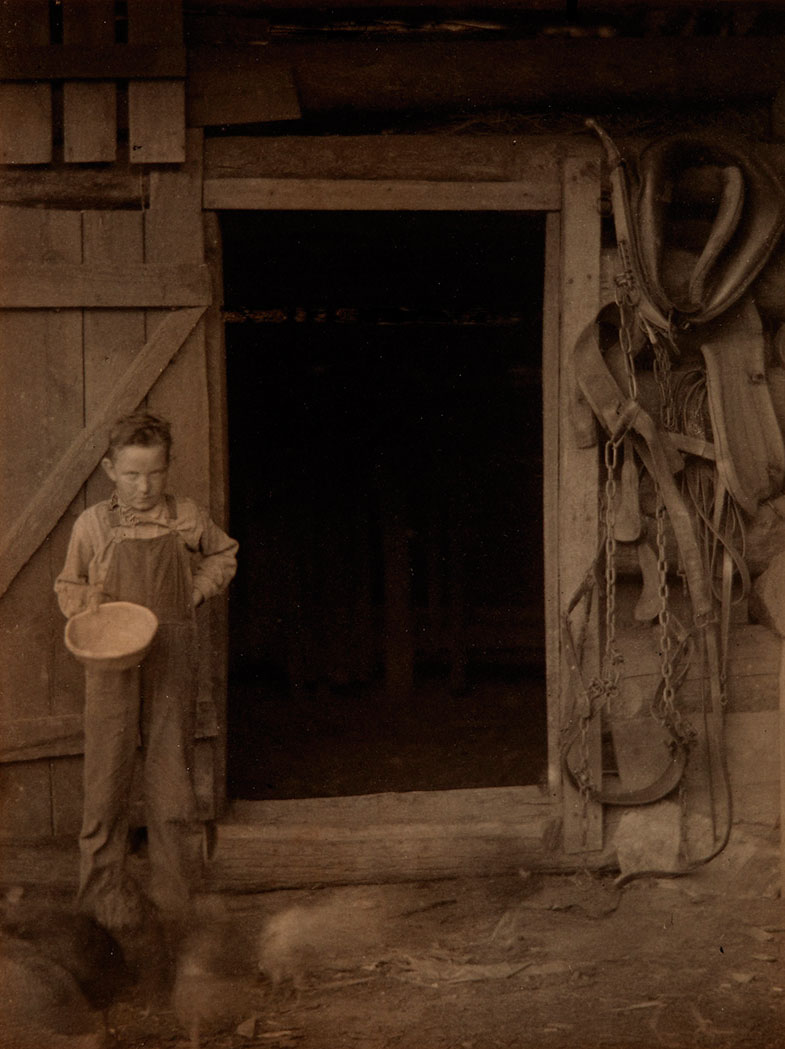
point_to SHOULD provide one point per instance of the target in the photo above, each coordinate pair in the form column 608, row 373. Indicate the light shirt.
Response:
column 213, row 553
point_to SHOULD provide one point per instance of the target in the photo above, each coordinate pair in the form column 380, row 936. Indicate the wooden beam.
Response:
column 383, row 838
column 75, row 189
column 74, row 62
column 84, row 453
column 376, row 195
column 31, row 738
column 253, row 89
column 56, row 286
column 474, row 76
column 500, row 158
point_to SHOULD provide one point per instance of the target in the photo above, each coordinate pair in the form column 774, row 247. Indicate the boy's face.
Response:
column 139, row 475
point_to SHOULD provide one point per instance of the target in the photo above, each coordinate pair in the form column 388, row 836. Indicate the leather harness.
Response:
column 749, row 218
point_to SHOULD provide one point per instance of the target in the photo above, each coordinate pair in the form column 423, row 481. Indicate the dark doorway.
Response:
column 385, row 442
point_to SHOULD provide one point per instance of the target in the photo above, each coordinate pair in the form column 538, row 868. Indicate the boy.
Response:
column 147, row 546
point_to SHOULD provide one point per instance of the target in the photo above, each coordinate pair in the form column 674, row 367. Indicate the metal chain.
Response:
column 626, row 314
column 666, row 710
column 663, row 377
column 612, row 659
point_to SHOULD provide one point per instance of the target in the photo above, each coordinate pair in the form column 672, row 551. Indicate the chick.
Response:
column 214, row 980
column 301, row 941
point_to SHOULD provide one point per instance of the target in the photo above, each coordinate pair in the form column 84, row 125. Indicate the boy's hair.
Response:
column 139, row 428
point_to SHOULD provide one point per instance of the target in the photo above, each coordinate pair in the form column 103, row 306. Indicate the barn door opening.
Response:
column 386, row 463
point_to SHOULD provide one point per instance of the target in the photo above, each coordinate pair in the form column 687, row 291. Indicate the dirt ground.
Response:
column 523, row 961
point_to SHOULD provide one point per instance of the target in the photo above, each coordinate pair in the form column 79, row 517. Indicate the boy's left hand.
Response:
column 197, row 598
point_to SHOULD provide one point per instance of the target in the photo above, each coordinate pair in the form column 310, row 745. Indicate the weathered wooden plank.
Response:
column 156, row 108
column 25, row 109
column 67, row 796
column 550, row 492
column 49, row 863
column 40, row 354
column 75, row 188
column 753, row 753
column 377, row 195
column 89, row 108
column 514, row 806
column 782, row 768
column 174, row 229
column 89, row 122
column 31, row 286
column 253, row 90
column 47, row 506
column 215, row 348
column 26, row 810
column 578, row 524
column 27, row 739
column 73, row 62
column 421, row 158
column 437, row 75
column 25, row 123
column 752, row 650
column 112, row 337
column 156, row 121
column 60, row 735
column 382, row 838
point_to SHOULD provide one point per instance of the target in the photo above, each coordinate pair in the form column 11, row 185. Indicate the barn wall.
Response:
column 62, row 362
column 60, row 368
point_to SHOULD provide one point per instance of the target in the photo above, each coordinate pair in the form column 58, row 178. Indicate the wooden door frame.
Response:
column 561, row 178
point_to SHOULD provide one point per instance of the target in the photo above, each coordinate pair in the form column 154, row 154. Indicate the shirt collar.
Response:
column 130, row 516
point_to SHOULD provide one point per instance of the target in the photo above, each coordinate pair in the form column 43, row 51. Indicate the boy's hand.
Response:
column 196, row 598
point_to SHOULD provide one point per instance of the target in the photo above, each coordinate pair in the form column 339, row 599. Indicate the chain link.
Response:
column 612, row 660
column 665, row 709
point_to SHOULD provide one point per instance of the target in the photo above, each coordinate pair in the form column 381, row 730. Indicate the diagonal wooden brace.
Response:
column 79, row 460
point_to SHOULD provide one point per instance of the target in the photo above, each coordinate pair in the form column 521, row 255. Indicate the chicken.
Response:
column 59, row 970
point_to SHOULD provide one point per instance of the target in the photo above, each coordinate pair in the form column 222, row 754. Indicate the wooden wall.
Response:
column 61, row 370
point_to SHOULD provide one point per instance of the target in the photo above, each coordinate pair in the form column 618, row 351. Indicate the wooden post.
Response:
column 782, row 769
column 578, row 465
column 778, row 133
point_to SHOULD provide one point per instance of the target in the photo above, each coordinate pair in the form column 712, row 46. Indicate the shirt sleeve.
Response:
column 72, row 586
column 216, row 563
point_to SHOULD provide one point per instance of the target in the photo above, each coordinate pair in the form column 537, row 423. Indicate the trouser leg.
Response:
column 111, row 734
column 168, row 716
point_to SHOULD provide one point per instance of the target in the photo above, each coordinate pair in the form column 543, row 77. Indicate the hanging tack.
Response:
column 627, row 509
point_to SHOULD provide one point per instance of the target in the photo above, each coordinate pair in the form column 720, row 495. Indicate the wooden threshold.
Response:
column 413, row 836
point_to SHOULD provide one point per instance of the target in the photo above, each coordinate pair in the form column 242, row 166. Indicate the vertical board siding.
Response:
column 89, row 107
column 25, row 109
column 215, row 349
column 156, row 108
column 174, row 229
column 40, row 357
column 58, row 368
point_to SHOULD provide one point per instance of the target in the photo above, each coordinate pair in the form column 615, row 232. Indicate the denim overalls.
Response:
column 152, row 706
